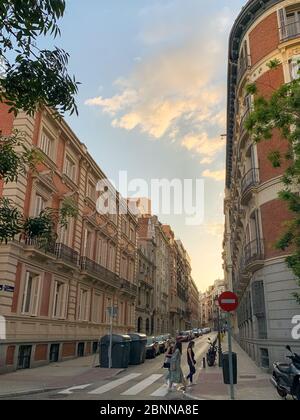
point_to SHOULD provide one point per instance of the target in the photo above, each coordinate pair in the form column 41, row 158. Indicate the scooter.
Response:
column 212, row 353
column 286, row 377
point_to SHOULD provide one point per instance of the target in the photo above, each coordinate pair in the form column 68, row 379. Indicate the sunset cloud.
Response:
column 215, row 175
column 175, row 91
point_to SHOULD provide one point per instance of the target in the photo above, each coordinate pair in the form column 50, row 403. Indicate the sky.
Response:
column 152, row 100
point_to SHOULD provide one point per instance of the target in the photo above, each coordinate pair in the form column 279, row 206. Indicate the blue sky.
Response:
column 152, row 99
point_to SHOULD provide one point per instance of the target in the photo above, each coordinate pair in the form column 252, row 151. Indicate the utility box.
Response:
column 120, row 351
column 225, row 361
column 137, row 348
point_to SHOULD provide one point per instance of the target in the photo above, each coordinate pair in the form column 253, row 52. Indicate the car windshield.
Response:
column 150, row 340
column 159, row 338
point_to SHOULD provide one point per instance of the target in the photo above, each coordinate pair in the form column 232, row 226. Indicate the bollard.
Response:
column 204, row 363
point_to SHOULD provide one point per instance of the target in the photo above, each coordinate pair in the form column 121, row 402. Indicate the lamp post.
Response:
column 219, row 331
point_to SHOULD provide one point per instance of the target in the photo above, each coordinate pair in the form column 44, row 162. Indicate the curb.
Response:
column 32, row 392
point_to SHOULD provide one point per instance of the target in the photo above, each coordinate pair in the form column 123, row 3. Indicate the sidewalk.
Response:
column 253, row 383
column 59, row 375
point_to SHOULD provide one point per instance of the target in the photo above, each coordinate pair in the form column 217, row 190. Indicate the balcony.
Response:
column 253, row 257
column 249, row 182
column 244, row 65
column 66, row 254
column 128, row 287
column 290, row 31
column 243, row 131
column 98, row 271
column 38, row 248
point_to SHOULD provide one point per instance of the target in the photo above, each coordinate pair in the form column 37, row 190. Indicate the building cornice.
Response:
column 249, row 14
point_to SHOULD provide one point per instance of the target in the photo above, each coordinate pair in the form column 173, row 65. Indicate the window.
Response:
column 31, row 294
column 108, row 304
column 70, row 168
column 66, row 233
column 88, row 244
column 40, row 205
column 91, row 190
column 121, row 313
column 111, row 257
column 46, row 144
column 124, row 267
column 131, row 271
column 289, row 21
column 60, row 299
column 104, row 253
column 97, row 308
column 264, row 356
column 84, row 305
column 294, row 65
column 132, row 234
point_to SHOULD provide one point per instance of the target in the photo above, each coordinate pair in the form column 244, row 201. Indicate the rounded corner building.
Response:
column 265, row 30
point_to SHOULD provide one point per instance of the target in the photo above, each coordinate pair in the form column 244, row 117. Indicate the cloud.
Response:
column 177, row 92
column 215, row 229
column 218, row 175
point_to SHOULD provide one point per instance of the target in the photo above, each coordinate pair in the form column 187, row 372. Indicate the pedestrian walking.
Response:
column 191, row 361
column 176, row 375
column 167, row 363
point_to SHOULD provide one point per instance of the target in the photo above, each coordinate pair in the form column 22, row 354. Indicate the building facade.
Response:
column 55, row 303
column 254, row 216
column 145, row 305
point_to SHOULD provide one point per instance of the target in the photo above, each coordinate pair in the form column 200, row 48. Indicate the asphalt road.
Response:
column 143, row 382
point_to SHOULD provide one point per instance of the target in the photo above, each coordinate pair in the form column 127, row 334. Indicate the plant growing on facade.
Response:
column 282, row 112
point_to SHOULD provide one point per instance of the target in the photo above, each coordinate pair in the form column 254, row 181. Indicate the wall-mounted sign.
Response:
column 7, row 288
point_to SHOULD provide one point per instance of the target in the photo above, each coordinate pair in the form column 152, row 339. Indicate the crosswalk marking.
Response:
column 160, row 392
column 114, row 384
column 136, row 389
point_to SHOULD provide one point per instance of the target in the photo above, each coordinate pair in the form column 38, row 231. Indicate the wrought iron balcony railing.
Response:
column 243, row 66
column 253, row 252
column 250, row 179
column 290, row 31
column 104, row 274
column 65, row 253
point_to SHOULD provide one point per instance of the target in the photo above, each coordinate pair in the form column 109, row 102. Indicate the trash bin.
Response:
column 225, row 361
column 120, row 351
column 137, row 348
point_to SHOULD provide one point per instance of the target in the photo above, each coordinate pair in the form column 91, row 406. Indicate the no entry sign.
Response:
column 228, row 301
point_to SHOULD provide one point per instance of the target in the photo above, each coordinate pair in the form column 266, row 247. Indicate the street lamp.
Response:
column 219, row 331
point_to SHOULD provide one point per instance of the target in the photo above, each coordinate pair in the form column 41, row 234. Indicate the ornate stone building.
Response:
column 264, row 30
column 55, row 303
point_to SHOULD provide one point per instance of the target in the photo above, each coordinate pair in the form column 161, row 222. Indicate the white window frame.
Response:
column 84, row 307
column 35, row 294
column 62, row 300
column 46, row 143
column 70, row 167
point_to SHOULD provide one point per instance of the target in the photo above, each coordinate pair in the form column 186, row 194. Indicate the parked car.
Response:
column 206, row 330
column 161, row 344
column 183, row 337
column 200, row 332
column 196, row 333
column 152, row 349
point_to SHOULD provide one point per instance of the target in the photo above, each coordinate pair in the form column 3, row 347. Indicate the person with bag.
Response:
column 176, row 375
column 167, row 363
column 191, row 361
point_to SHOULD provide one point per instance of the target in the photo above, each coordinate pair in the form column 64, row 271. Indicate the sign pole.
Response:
column 230, row 356
column 110, row 339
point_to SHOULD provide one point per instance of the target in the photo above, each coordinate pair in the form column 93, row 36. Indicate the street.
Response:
column 141, row 382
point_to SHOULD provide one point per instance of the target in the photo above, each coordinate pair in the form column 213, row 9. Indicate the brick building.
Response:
column 55, row 303
column 254, row 269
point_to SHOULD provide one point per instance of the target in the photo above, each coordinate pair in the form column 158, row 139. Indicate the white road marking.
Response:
column 136, row 389
column 160, row 392
column 74, row 388
column 114, row 384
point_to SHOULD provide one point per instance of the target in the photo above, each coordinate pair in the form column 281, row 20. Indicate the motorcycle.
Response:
column 286, row 377
column 212, row 353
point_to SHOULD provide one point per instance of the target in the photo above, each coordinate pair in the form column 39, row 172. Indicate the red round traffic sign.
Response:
column 228, row 301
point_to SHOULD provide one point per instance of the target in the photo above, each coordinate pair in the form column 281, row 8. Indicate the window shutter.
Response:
column 54, row 300
column 295, row 67
column 35, row 296
column 25, row 292
column 282, row 24
column 63, row 311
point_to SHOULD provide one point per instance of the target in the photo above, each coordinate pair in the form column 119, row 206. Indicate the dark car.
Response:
column 152, row 348
column 183, row 337
column 161, row 343
column 195, row 331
